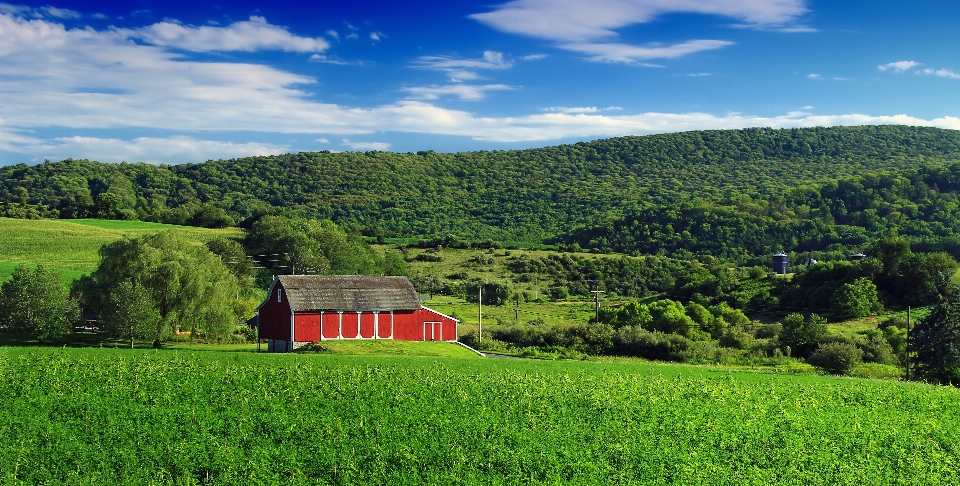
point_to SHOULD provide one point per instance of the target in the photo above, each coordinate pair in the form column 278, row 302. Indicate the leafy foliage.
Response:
column 836, row 358
column 34, row 303
column 295, row 245
column 189, row 286
column 120, row 417
column 936, row 339
column 739, row 181
column 130, row 313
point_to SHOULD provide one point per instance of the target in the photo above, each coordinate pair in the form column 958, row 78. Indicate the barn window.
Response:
column 279, row 293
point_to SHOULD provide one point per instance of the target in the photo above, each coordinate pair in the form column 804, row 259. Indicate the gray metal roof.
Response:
column 349, row 293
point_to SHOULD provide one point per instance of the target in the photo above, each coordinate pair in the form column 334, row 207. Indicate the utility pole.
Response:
column 480, row 314
column 596, row 298
column 906, row 351
column 516, row 309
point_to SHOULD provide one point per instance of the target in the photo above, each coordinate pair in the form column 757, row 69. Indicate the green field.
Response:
column 71, row 246
column 103, row 416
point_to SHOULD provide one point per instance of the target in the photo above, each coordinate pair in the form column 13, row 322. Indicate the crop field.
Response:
column 71, row 246
column 104, row 416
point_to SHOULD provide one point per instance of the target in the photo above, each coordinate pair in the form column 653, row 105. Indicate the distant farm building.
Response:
column 302, row 309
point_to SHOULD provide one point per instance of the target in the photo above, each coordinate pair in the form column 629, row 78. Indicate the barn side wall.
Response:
column 410, row 325
column 306, row 327
column 275, row 316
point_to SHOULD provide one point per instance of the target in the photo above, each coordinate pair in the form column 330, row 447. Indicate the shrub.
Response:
column 636, row 341
column 736, row 338
column 836, row 358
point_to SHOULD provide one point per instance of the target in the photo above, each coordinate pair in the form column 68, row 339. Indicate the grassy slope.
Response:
column 71, row 246
column 120, row 416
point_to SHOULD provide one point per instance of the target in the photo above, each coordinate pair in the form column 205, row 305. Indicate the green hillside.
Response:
column 525, row 195
column 71, row 246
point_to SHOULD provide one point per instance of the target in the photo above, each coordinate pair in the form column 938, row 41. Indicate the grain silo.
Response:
column 780, row 263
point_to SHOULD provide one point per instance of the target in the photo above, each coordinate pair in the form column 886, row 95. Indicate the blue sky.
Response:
column 184, row 81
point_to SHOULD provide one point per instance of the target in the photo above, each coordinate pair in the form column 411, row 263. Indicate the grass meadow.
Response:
column 114, row 416
column 71, row 246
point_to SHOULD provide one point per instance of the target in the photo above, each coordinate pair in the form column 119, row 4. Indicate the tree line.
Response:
column 151, row 288
column 519, row 195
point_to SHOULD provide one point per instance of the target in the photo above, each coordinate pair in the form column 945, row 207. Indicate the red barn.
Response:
column 305, row 308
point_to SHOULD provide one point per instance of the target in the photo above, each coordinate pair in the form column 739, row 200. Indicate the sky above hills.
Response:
column 184, row 81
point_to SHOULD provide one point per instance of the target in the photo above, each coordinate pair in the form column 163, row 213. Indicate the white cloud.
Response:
column 143, row 149
column 61, row 13
column 334, row 34
column 534, row 57
column 382, row 146
column 630, row 54
column 84, row 79
column 586, row 26
column 353, row 36
column 463, row 69
column 814, row 76
column 575, row 20
column 945, row 73
column 466, row 92
column 580, row 109
column 808, row 107
column 333, row 60
column 898, row 66
column 376, row 36
column 322, row 140
column 253, row 35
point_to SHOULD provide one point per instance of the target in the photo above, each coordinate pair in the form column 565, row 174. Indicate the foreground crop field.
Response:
column 102, row 416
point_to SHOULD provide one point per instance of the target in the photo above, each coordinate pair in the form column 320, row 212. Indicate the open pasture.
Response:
column 103, row 416
column 71, row 246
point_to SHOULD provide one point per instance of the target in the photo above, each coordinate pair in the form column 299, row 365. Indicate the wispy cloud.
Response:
column 580, row 109
column 466, row 92
column 153, row 150
column 93, row 80
column 631, row 54
column 944, row 73
column 253, row 35
column 334, row 34
column 459, row 69
column 61, row 13
column 366, row 145
column 589, row 26
column 814, row 76
column 534, row 57
column 334, row 60
column 898, row 66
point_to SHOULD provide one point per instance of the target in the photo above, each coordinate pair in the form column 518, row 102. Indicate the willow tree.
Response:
column 188, row 286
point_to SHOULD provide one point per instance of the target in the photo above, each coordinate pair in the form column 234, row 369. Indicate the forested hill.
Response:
column 519, row 194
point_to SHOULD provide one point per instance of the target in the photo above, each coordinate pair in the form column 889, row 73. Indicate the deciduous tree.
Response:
column 35, row 303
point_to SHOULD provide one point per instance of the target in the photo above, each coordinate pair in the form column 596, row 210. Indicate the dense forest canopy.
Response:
column 797, row 189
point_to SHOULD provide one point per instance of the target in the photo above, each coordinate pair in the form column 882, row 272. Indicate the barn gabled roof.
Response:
column 348, row 293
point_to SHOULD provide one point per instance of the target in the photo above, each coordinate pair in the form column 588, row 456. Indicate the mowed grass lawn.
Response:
column 105, row 416
column 71, row 246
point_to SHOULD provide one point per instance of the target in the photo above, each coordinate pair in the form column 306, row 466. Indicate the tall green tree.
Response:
column 857, row 299
column 35, row 303
column 802, row 335
column 307, row 246
column 936, row 339
column 130, row 313
column 189, row 286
